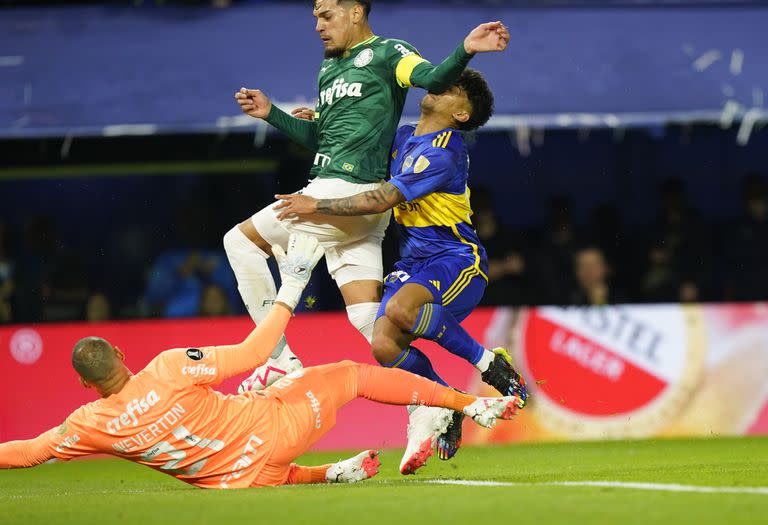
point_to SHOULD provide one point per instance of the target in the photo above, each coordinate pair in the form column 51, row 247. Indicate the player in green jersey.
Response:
column 362, row 86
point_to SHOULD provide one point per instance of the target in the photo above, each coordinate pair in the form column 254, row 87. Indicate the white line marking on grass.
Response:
column 664, row 487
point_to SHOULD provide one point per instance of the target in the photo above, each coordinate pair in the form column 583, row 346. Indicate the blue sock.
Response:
column 413, row 360
column 437, row 324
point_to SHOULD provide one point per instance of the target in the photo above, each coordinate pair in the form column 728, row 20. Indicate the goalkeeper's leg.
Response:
column 311, row 397
column 348, row 380
column 358, row 468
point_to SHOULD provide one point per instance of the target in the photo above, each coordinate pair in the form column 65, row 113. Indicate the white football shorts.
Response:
column 352, row 244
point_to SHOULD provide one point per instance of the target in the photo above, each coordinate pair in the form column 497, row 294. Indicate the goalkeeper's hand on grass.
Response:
column 296, row 266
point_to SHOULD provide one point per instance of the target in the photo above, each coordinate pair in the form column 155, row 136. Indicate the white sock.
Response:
column 485, row 361
column 363, row 316
column 254, row 280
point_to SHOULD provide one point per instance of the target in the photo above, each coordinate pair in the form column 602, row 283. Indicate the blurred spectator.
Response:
column 177, row 280
column 125, row 253
column 214, row 302
column 50, row 279
column 689, row 293
column 32, row 266
column 97, row 308
column 509, row 274
column 746, row 245
column 592, row 278
column 661, row 283
column 675, row 216
column 685, row 237
column 558, row 246
column 607, row 230
column 6, row 276
column 65, row 288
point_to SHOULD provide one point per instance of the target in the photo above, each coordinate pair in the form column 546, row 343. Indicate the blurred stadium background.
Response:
column 622, row 182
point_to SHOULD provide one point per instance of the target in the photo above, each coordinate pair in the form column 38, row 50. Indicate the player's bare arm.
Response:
column 370, row 202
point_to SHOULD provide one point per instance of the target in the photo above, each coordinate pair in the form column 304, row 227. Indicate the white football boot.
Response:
column 271, row 371
column 425, row 425
column 363, row 466
column 486, row 410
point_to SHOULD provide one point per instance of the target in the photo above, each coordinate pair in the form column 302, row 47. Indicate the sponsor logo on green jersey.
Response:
column 322, row 160
column 340, row 89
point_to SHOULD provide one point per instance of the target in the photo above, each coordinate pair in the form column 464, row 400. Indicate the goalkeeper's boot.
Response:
column 486, row 410
column 425, row 424
column 363, row 466
column 501, row 376
column 271, row 371
column 449, row 442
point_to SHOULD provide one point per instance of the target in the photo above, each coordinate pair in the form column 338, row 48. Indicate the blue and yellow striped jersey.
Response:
column 431, row 171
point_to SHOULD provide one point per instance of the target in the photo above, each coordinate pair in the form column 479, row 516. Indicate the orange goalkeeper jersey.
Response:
column 169, row 418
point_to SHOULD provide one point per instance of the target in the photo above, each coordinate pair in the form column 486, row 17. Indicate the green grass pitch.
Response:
column 112, row 491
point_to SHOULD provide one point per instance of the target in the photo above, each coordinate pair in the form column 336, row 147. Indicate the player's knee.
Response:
column 339, row 369
column 231, row 240
column 347, row 363
column 236, row 243
column 243, row 238
column 385, row 350
column 401, row 315
column 363, row 317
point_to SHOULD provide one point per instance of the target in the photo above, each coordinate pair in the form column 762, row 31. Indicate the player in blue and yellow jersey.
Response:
column 441, row 275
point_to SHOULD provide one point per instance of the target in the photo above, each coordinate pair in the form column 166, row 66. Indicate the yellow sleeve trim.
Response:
column 405, row 67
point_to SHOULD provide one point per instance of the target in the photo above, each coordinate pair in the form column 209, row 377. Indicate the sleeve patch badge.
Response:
column 62, row 428
column 195, row 354
column 421, row 164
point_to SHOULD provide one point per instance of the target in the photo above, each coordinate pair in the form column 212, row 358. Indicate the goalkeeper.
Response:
column 169, row 418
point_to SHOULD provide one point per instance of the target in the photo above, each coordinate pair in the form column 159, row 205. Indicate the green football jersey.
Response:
column 360, row 99
column 359, row 103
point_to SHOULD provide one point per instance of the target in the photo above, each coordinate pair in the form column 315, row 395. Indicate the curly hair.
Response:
column 480, row 98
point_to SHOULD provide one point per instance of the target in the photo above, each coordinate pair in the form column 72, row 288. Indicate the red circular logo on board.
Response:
column 597, row 365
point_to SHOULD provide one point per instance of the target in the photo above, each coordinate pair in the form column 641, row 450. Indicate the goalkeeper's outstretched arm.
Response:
column 295, row 270
column 26, row 452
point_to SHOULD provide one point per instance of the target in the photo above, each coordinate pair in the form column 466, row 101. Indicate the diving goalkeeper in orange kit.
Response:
column 169, row 418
